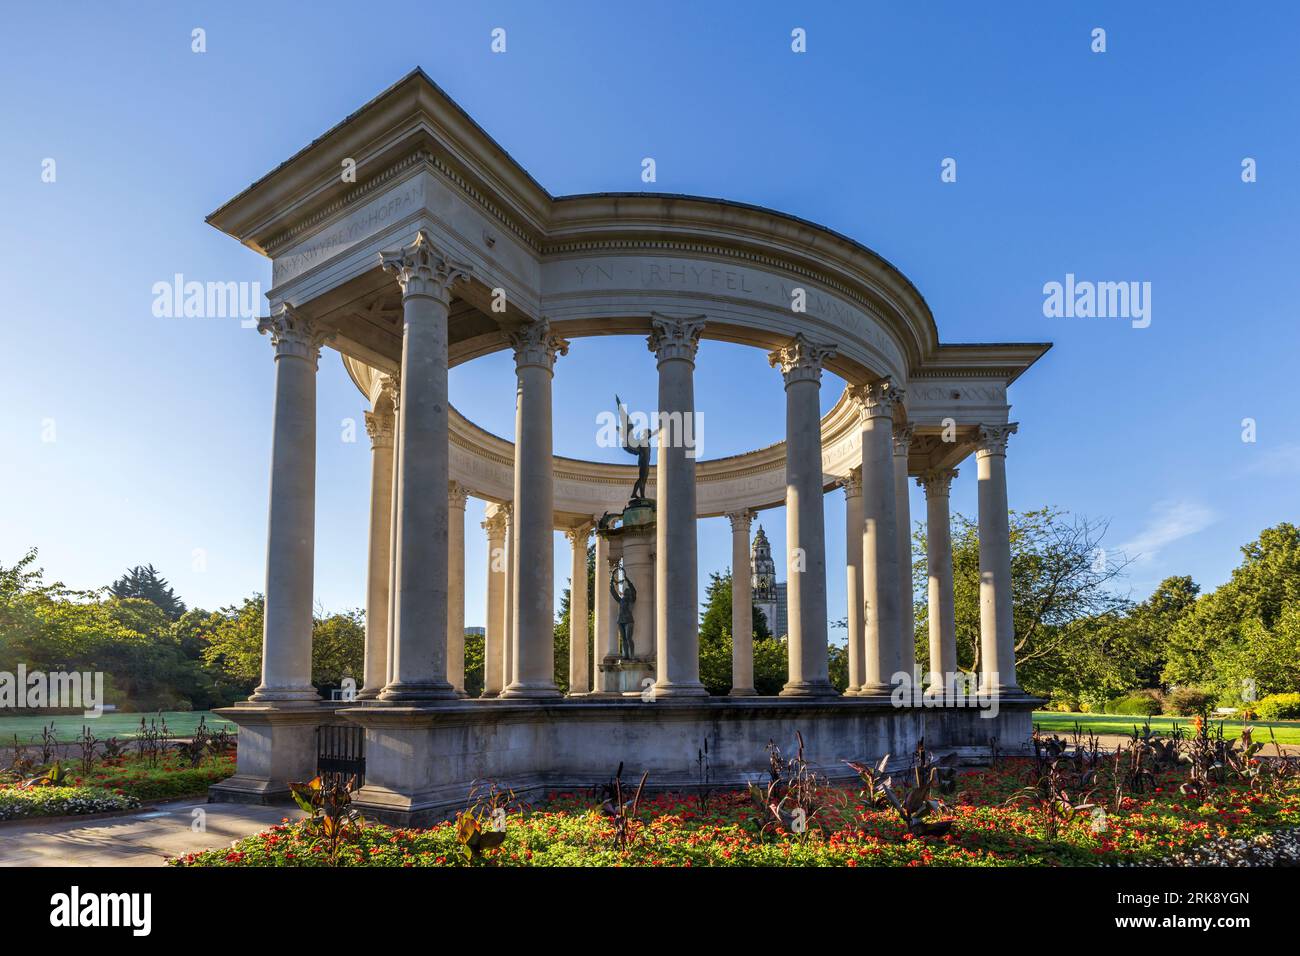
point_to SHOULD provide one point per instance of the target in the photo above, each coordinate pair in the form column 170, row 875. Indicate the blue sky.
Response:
column 1118, row 166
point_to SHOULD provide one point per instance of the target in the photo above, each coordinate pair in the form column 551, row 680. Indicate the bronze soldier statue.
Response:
column 626, row 649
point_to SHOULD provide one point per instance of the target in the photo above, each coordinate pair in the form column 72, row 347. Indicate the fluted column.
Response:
column 604, row 615
column 997, row 623
column 801, row 365
column 494, row 630
column 938, row 558
column 903, row 526
column 677, row 638
column 852, row 486
column 456, row 497
column 380, row 427
column 579, row 646
column 881, row 590
column 508, row 599
column 419, row 667
column 291, row 520
column 534, row 561
column 742, row 607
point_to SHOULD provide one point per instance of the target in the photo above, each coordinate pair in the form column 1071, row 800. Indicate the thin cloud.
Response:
column 1169, row 521
column 1278, row 461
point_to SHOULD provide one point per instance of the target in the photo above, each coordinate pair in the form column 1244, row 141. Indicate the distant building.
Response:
column 476, row 631
column 769, row 597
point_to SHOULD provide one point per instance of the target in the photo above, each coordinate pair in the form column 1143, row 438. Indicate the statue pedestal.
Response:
column 629, row 677
column 634, row 543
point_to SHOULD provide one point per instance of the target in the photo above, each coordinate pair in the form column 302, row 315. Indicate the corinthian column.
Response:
column 456, row 497
column 801, row 365
column 380, row 427
column 291, row 523
column 903, row 525
column 677, row 638
column 742, row 607
column 534, row 559
column 606, row 618
column 938, row 558
column 508, row 599
column 579, row 648
column 997, row 624
column 419, row 651
column 881, row 589
column 494, row 631
column 853, row 549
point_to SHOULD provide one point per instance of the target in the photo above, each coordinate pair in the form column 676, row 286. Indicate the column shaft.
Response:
column 881, row 590
column 508, row 600
column 903, row 526
column 380, row 426
column 677, row 639
column 605, row 615
column 579, row 646
column 801, row 364
column 456, row 588
column 534, row 559
column 997, row 622
column 419, row 648
column 742, row 607
column 291, row 521
column 938, row 559
column 853, row 551
column 494, row 636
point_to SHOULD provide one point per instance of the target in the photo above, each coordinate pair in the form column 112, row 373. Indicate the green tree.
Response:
column 716, row 643
column 1062, row 592
column 1244, row 629
column 142, row 581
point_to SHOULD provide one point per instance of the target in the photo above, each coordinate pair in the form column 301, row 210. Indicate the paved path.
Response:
column 145, row 838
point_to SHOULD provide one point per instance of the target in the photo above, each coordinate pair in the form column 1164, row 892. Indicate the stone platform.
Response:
column 421, row 761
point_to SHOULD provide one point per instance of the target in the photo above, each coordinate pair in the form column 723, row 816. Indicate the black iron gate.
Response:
column 341, row 753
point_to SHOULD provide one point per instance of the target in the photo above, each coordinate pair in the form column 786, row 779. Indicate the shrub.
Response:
column 1279, row 707
column 60, row 801
column 1134, row 705
column 1190, row 701
column 1065, row 703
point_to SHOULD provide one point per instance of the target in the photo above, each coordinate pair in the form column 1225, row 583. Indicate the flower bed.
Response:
column 724, row 830
column 61, row 801
column 171, row 778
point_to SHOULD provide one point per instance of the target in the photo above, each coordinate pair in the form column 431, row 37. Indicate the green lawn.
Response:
column 1287, row 731
column 122, row 726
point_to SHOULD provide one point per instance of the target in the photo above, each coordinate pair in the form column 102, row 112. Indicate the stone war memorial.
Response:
column 443, row 250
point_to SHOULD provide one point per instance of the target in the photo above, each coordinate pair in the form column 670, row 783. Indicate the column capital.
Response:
column 741, row 521
column 579, row 533
column 380, row 428
column 903, row 434
column 801, row 360
column 535, row 344
column 456, row 495
column 294, row 334
column 993, row 439
column 937, row 482
column 495, row 523
column 852, row 483
column 423, row 269
column 671, row 338
column 877, row 399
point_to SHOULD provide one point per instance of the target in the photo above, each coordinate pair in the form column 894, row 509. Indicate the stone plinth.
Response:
column 277, row 747
column 422, row 760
